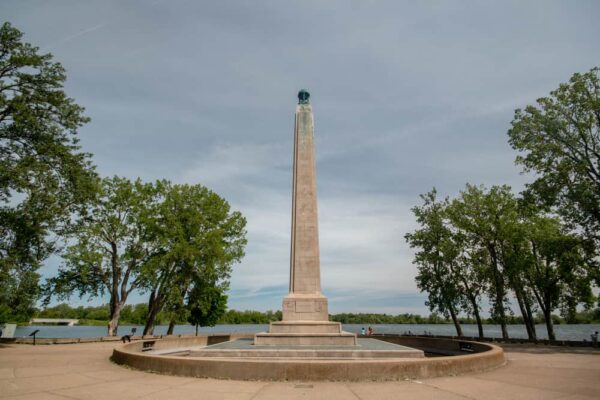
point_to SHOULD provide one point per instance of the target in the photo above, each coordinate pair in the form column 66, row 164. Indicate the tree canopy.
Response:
column 206, row 304
column 43, row 174
column 111, row 242
column 488, row 241
column 199, row 238
column 559, row 140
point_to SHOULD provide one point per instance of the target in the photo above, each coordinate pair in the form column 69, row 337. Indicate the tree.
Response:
column 468, row 268
column 111, row 243
column 199, row 239
column 206, row 304
column 559, row 140
column 43, row 175
column 490, row 221
column 557, row 271
column 437, row 251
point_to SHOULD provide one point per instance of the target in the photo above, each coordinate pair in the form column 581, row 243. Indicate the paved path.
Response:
column 83, row 371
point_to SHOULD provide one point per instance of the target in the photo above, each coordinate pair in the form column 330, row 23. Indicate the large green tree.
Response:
column 199, row 238
column 112, row 241
column 43, row 173
column 436, row 252
column 559, row 140
column 490, row 221
column 556, row 270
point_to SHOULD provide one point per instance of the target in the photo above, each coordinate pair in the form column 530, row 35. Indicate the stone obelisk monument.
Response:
column 305, row 316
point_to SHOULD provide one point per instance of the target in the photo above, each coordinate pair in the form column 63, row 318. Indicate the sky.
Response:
column 406, row 96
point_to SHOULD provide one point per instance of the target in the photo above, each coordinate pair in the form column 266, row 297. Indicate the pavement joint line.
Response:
column 195, row 380
column 37, row 376
column 62, row 388
column 91, row 375
column 259, row 390
column 154, row 392
column 446, row 391
column 353, row 392
column 99, row 382
column 66, row 396
column 520, row 385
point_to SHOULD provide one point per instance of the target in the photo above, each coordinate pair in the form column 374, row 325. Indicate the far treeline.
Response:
column 537, row 251
column 177, row 243
column 136, row 315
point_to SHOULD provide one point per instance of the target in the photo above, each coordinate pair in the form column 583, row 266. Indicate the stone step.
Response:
column 305, row 339
column 308, row 353
column 306, row 327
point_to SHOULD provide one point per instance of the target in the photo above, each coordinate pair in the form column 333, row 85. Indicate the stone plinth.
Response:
column 305, row 307
column 305, row 327
column 305, row 333
column 305, row 339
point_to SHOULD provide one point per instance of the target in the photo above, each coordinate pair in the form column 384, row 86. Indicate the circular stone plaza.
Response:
column 85, row 371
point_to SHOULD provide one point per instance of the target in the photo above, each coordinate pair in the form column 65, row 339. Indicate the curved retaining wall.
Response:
column 484, row 356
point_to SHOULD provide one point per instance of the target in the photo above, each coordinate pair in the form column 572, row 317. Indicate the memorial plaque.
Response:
column 305, row 306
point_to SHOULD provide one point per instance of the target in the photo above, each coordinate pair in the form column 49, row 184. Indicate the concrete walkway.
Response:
column 83, row 371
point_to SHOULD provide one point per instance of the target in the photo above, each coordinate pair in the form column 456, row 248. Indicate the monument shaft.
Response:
column 304, row 259
column 305, row 301
column 305, row 317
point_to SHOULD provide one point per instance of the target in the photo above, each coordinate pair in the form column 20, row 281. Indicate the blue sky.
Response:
column 406, row 96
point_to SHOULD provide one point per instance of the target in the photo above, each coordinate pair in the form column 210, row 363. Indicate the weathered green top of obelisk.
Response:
column 304, row 269
column 303, row 96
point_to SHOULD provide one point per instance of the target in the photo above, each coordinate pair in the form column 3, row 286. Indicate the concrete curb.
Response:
column 484, row 357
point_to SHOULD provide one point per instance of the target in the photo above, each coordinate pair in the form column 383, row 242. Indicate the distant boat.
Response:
column 53, row 321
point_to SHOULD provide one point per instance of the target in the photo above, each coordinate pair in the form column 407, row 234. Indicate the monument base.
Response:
column 305, row 333
column 305, row 307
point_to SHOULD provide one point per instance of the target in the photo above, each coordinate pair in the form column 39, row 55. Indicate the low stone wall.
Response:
column 479, row 357
column 42, row 341
column 436, row 346
column 544, row 342
column 213, row 339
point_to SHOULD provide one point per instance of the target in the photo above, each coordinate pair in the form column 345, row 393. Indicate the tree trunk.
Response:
column 498, row 291
column 499, row 311
column 113, row 324
column 531, row 317
column 115, row 303
column 153, row 309
column 171, row 327
column 455, row 321
column 526, row 321
column 473, row 300
column 196, row 329
column 546, row 307
column 547, row 310
column 477, row 316
column 549, row 323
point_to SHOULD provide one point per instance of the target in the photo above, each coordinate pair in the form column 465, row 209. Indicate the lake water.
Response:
column 563, row 332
